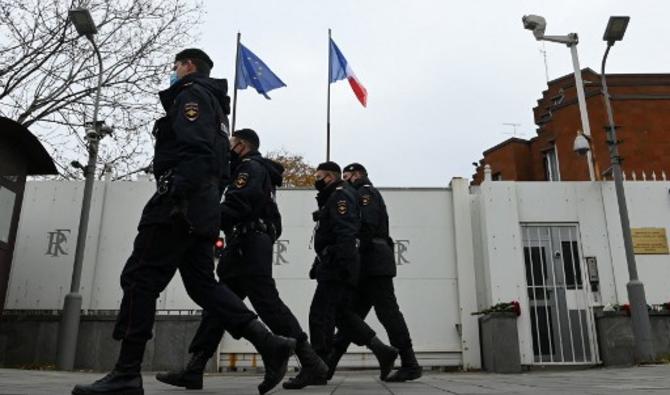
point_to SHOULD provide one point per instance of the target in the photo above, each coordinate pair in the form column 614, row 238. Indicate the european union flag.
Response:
column 251, row 71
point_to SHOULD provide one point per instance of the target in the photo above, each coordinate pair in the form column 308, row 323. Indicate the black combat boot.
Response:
column 115, row 383
column 275, row 351
column 124, row 379
column 191, row 376
column 313, row 370
column 333, row 359
column 386, row 356
column 409, row 367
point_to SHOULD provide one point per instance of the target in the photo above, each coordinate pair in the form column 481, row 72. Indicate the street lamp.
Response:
column 644, row 347
column 69, row 325
column 537, row 25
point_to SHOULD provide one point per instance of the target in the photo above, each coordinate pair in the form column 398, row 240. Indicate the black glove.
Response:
column 315, row 267
column 316, row 215
column 178, row 215
column 272, row 231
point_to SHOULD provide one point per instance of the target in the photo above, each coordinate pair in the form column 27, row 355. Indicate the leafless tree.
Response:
column 48, row 74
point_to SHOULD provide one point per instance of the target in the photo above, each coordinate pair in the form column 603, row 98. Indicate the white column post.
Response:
column 465, row 269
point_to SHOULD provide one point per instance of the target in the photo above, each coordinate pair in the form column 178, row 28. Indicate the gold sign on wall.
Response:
column 650, row 241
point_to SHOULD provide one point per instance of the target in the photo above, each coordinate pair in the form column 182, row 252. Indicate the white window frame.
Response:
column 545, row 156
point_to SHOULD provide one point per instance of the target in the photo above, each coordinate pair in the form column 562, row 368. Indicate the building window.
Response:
column 551, row 172
column 558, row 99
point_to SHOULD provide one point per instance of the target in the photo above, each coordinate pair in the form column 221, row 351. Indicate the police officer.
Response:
column 336, row 269
column 378, row 268
column 252, row 223
column 178, row 227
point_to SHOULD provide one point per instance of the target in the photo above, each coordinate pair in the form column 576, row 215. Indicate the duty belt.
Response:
column 165, row 180
column 252, row 226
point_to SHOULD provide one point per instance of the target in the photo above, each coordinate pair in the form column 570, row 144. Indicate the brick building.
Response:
column 641, row 105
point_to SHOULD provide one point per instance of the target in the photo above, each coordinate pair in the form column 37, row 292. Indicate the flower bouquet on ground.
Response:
column 626, row 307
column 504, row 307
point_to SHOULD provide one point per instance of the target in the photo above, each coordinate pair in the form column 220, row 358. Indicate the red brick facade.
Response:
column 641, row 106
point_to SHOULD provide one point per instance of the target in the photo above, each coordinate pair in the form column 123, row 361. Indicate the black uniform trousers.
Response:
column 332, row 306
column 158, row 251
column 378, row 292
column 263, row 295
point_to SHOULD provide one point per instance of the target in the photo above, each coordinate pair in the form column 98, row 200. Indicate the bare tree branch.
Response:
column 48, row 73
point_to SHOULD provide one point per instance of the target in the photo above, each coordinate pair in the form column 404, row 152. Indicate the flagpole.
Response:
column 328, row 104
column 237, row 60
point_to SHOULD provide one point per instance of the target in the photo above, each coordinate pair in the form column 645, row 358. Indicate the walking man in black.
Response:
column 251, row 223
column 336, row 269
column 378, row 268
column 178, row 227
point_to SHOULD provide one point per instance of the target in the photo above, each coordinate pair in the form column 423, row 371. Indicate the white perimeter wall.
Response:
column 421, row 220
column 461, row 250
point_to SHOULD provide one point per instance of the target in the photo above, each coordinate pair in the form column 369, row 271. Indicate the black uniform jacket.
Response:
column 336, row 234
column 191, row 158
column 377, row 258
column 247, row 213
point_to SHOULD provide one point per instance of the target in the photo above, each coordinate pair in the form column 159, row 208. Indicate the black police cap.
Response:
column 248, row 135
column 329, row 166
column 356, row 167
column 194, row 53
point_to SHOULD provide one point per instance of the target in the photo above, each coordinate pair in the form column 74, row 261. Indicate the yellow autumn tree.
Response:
column 297, row 172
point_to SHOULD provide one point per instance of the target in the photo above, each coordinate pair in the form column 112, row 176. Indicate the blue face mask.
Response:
column 173, row 78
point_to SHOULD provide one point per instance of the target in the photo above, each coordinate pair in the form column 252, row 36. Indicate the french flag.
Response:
column 340, row 69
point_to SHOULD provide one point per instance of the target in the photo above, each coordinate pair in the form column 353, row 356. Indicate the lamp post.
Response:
column 69, row 324
column 644, row 347
column 537, row 25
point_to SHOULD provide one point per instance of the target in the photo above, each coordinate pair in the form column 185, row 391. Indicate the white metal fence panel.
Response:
column 421, row 223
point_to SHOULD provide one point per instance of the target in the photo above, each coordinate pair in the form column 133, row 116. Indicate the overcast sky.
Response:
column 442, row 76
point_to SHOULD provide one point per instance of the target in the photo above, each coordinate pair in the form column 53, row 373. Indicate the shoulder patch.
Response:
column 342, row 207
column 191, row 111
column 365, row 199
column 241, row 180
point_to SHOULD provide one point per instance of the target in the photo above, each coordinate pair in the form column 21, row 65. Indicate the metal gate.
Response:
column 560, row 310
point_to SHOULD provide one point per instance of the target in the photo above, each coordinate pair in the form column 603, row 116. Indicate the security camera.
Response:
column 581, row 145
column 92, row 134
column 535, row 23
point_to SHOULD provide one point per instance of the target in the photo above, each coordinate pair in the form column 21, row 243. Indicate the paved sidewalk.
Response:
column 638, row 380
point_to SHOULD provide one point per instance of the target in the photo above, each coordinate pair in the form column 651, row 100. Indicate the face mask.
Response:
column 320, row 184
column 173, row 78
column 234, row 153
column 234, row 157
